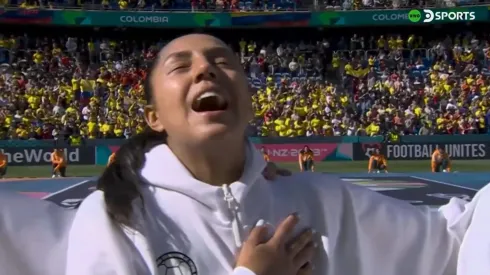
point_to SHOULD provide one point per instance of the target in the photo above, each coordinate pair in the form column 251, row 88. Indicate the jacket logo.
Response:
column 176, row 263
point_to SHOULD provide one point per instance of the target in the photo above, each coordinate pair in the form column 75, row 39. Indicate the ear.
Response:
column 151, row 118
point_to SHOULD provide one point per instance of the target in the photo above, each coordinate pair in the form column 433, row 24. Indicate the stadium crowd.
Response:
column 236, row 5
column 378, row 85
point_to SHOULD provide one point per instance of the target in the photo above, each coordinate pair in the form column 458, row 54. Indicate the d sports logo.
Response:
column 415, row 16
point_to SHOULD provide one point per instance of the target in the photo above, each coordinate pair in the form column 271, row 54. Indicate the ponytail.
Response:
column 121, row 181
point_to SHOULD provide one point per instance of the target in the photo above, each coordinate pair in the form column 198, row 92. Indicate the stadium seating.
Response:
column 178, row 5
column 235, row 5
column 387, row 84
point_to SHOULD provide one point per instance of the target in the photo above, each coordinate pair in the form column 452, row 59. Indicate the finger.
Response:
column 284, row 230
column 305, row 255
column 258, row 234
column 307, row 269
column 300, row 242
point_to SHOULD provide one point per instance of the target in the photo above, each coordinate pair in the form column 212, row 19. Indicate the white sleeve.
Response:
column 391, row 236
column 33, row 235
column 456, row 237
column 472, row 223
column 98, row 247
column 242, row 271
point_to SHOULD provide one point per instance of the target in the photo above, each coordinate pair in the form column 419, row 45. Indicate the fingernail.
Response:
column 313, row 231
column 260, row 223
column 315, row 245
column 295, row 214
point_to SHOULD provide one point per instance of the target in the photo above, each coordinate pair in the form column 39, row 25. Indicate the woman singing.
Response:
column 185, row 195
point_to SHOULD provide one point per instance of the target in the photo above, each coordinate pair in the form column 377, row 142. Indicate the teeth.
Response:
column 209, row 94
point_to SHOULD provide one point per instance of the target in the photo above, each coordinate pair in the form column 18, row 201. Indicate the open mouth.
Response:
column 209, row 102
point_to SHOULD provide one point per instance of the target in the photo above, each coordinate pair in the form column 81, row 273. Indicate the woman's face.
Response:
column 200, row 91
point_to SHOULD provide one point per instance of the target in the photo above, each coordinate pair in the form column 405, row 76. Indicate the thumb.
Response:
column 258, row 234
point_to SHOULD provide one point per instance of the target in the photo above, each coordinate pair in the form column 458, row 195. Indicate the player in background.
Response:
column 111, row 159
column 3, row 165
column 265, row 154
column 377, row 162
column 440, row 161
column 306, row 160
column 58, row 160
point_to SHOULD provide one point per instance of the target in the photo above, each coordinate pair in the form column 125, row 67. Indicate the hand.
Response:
column 277, row 255
column 271, row 171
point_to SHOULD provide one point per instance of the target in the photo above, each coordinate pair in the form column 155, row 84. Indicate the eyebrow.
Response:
column 177, row 55
column 215, row 51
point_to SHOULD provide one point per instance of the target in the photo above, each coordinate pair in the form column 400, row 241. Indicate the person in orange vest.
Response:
column 377, row 162
column 112, row 158
column 306, row 160
column 3, row 165
column 440, row 161
column 265, row 154
column 58, row 160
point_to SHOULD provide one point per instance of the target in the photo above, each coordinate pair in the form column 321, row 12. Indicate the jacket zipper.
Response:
column 234, row 209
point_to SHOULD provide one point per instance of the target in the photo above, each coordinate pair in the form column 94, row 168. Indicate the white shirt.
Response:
column 86, row 112
column 293, row 66
column 279, row 51
column 57, row 109
column 104, row 46
column 71, row 45
column 451, row 106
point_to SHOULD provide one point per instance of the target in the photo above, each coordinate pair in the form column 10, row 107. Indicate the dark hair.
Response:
column 121, row 180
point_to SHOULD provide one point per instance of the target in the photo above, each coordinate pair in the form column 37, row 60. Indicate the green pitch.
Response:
column 400, row 166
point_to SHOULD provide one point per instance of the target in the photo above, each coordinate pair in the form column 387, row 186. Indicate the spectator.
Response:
column 71, row 45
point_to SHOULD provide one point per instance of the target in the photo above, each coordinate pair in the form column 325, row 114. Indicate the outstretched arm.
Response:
column 382, row 235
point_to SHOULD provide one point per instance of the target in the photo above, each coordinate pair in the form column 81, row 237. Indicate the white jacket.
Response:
column 362, row 232
column 194, row 228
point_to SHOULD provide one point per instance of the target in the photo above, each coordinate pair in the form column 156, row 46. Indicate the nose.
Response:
column 204, row 70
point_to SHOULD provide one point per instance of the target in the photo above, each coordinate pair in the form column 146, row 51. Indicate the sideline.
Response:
column 445, row 183
column 65, row 189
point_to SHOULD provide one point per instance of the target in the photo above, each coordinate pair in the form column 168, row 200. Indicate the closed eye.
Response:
column 221, row 62
column 178, row 68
